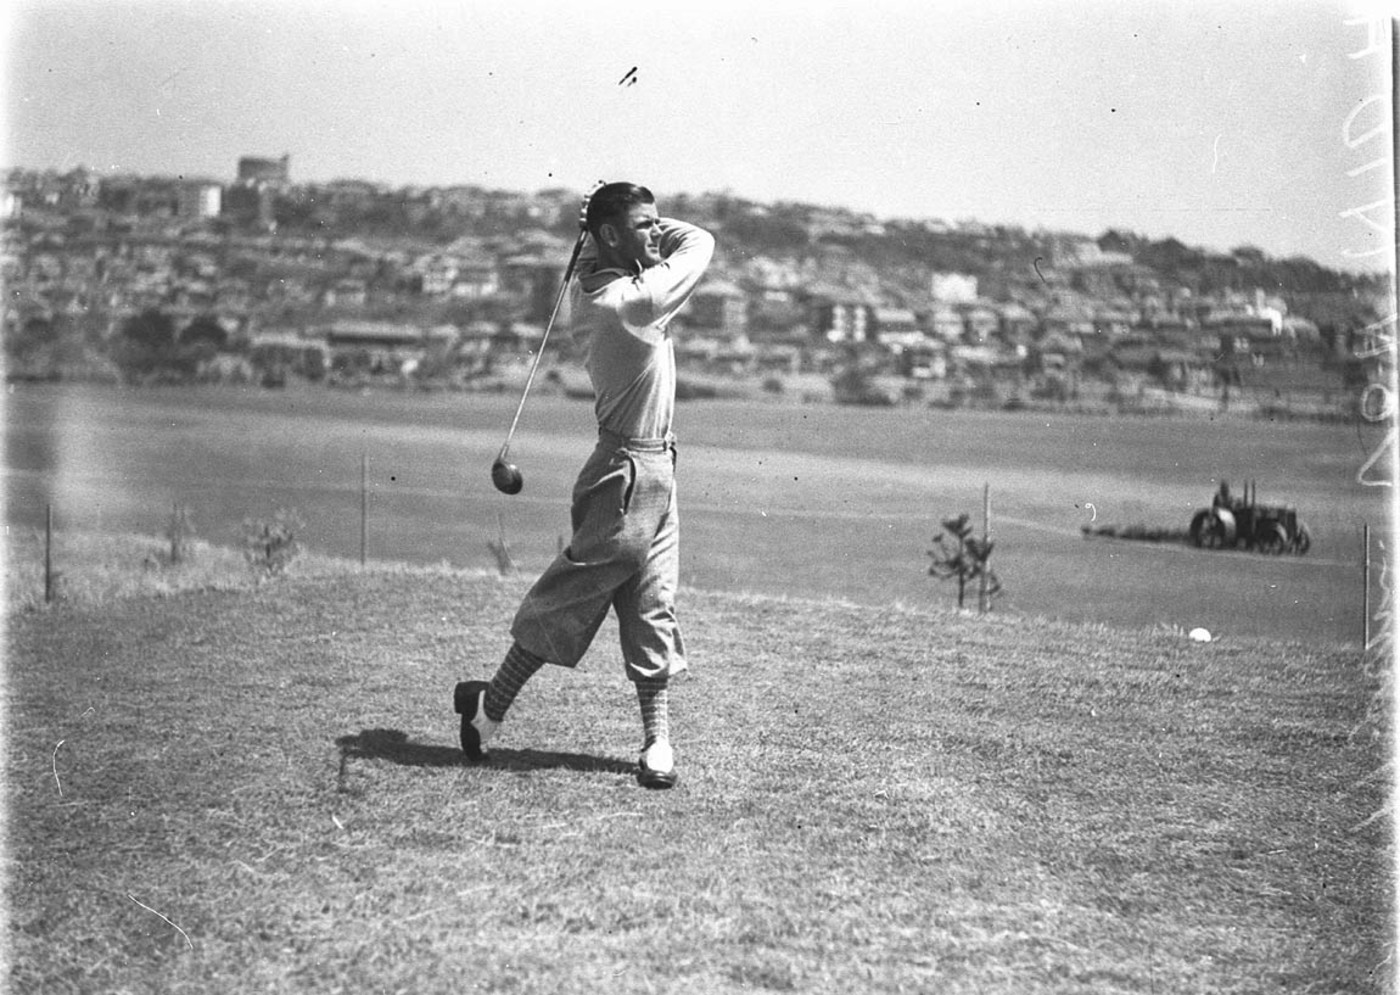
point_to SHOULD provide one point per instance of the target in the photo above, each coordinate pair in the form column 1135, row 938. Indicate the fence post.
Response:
column 48, row 553
column 1365, row 588
column 364, row 505
column 986, row 538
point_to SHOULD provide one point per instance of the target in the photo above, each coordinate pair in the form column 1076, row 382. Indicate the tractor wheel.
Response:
column 1273, row 540
column 1302, row 542
column 1206, row 530
column 1198, row 525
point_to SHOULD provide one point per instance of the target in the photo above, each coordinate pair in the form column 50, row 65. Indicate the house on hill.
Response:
column 274, row 353
column 1251, row 338
column 1018, row 322
column 985, row 361
column 925, row 359
column 347, row 293
column 945, row 323
column 1057, row 350
column 1300, row 329
column 896, row 328
column 953, row 288
column 720, row 309
column 981, row 322
column 1181, row 369
column 463, row 270
column 534, row 279
column 475, row 343
column 1175, row 369
column 1069, row 319
column 378, row 346
column 774, row 281
column 839, row 315
column 1112, row 321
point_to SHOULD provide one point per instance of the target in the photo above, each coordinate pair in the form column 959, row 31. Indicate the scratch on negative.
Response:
column 54, row 762
column 155, row 913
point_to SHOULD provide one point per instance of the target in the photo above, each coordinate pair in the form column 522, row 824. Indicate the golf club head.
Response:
column 506, row 477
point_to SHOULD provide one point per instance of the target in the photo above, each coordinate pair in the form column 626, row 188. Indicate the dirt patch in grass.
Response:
column 259, row 789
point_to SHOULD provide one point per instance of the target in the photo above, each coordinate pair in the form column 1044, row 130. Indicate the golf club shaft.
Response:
column 539, row 353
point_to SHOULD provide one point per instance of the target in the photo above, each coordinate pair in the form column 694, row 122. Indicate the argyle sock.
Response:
column 652, row 695
column 517, row 668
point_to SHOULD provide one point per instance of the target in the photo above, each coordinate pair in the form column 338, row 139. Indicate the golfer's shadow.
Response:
column 395, row 746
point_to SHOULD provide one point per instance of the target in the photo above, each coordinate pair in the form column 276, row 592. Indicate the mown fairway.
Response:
column 777, row 498
column 261, row 791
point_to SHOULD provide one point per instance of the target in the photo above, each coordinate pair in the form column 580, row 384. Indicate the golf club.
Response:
column 504, row 474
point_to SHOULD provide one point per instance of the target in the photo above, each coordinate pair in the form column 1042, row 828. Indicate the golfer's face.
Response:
column 639, row 236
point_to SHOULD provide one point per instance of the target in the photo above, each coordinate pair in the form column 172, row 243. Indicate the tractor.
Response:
column 1233, row 523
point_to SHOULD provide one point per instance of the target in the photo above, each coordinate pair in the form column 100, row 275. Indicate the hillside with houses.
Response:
column 262, row 280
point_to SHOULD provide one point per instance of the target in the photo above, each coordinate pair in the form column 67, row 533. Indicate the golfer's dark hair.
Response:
column 612, row 201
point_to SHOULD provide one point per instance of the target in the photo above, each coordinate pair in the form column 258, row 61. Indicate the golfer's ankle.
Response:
column 654, row 698
column 517, row 668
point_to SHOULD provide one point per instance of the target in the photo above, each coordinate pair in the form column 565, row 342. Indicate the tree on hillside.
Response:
column 145, row 344
column 1113, row 240
column 28, row 341
column 853, row 384
column 1170, row 256
column 39, row 347
column 1249, row 255
column 199, row 342
column 204, row 333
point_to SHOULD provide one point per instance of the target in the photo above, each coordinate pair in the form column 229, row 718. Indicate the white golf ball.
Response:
column 1199, row 635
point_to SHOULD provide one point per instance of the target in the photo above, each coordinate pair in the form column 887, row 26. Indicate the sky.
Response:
column 1265, row 123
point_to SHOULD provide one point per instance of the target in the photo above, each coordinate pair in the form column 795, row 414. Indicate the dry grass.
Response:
column 95, row 568
column 258, row 789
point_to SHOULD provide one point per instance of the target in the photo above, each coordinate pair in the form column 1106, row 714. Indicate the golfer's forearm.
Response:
column 681, row 237
column 685, row 251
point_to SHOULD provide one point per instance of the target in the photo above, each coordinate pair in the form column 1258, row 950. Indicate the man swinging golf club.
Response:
column 634, row 273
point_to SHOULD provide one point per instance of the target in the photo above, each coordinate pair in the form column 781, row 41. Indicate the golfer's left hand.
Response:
column 583, row 206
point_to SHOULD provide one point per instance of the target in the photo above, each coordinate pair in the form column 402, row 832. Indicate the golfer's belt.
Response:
column 615, row 441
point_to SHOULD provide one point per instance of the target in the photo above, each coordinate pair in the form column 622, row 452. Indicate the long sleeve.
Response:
column 621, row 319
column 686, row 251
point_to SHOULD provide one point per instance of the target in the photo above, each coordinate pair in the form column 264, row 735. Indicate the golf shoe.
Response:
column 469, row 701
column 656, row 767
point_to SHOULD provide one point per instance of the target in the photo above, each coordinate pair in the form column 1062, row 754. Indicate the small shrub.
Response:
column 271, row 546
column 960, row 555
column 505, row 563
column 180, row 531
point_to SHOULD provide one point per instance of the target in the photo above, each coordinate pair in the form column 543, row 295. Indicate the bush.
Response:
column 690, row 390
column 960, row 555
column 1052, row 387
column 854, row 386
column 271, row 546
